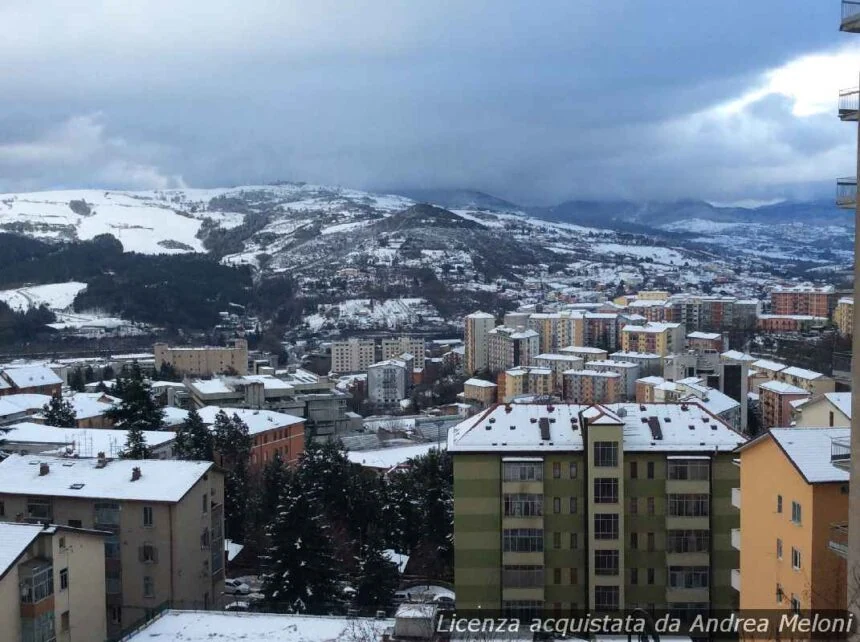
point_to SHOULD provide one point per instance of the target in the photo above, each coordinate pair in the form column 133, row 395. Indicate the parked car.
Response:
column 237, row 606
column 236, row 587
column 444, row 600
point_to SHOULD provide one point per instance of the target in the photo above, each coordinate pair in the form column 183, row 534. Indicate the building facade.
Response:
column 592, row 386
column 775, row 401
column 843, row 315
column 511, row 347
column 803, row 300
column 393, row 348
column 204, row 361
column 352, row 355
column 387, row 383
column 476, row 340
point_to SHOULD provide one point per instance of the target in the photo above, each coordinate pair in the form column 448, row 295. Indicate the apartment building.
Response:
column 793, row 521
column 480, row 391
column 272, row 433
column 813, row 382
column 572, row 506
column 511, row 347
column 777, row 401
column 518, row 382
column 586, row 353
column 657, row 338
column 789, row 322
column 32, row 380
column 628, row 372
column 476, row 340
column 705, row 341
column 558, row 363
column 352, row 355
column 26, row 438
column 388, row 382
column 204, row 361
column 393, row 348
column 832, row 409
column 803, row 300
column 547, row 327
column 164, row 519
column 648, row 362
column 591, row 386
column 843, row 315
column 654, row 310
column 601, row 329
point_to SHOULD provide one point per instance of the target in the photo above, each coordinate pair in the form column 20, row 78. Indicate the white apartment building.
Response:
column 388, row 382
column 478, row 327
column 352, row 355
column 393, row 348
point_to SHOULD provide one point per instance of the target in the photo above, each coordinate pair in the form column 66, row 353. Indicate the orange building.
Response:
column 775, row 399
column 591, row 386
column 272, row 433
column 793, row 502
column 788, row 322
column 816, row 302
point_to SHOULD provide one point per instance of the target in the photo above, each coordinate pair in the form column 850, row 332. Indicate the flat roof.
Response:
column 84, row 442
column 782, row 388
column 257, row 420
column 809, row 451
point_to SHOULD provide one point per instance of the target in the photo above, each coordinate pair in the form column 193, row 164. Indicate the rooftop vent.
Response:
column 668, row 420
column 684, row 407
column 713, row 426
column 513, row 427
column 76, row 486
column 508, row 408
column 44, row 469
column 488, row 427
column 621, row 412
column 691, row 427
column 101, row 461
column 552, row 420
column 492, row 420
column 642, row 408
column 644, row 420
column 656, row 431
column 135, row 473
column 550, row 408
column 533, row 420
column 544, row 428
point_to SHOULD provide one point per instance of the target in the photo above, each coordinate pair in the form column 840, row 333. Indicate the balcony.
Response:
column 840, row 452
column 736, row 539
column 736, row 579
column 850, row 16
column 849, row 105
column 736, row 498
column 838, row 542
column 846, row 192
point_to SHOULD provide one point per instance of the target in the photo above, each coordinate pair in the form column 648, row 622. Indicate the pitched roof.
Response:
column 782, row 388
column 30, row 376
column 161, row 480
column 257, row 420
column 14, row 540
column 84, row 442
column 809, row 451
column 842, row 400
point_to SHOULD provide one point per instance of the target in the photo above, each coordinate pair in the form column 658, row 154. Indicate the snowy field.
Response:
column 56, row 296
column 364, row 313
column 663, row 255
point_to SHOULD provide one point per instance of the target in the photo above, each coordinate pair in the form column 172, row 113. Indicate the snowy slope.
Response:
column 55, row 296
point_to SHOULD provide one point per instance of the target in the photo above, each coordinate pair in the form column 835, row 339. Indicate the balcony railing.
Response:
column 736, row 539
column 736, row 498
column 846, row 192
column 838, row 542
column 736, row 579
column 840, row 452
column 849, row 104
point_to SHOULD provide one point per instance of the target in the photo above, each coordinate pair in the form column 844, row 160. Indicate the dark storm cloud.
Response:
column 533, row 101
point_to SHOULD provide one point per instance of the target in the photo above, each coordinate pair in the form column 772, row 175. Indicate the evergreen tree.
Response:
column 377, row 578
column 107, row 373
column 233, row 445
column 303, row 573
column 137, row 406
column 59, row 412
column 167, row 372
column 276, row 476
column 76, row 380
column 135, row 444
column 89, row 375
column 194, row 440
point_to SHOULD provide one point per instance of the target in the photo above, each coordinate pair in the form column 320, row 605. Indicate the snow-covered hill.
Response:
column 54, row 296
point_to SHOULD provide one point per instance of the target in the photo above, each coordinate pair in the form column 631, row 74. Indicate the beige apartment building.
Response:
column 517, row 382
column 569, row 506
column 393, row 348
column 832, row 409
column 205, row 361
column 352, row 355
column 591, row 386
column 843, row 315
column 164, row 522
column 511, row 347
column 476, row 340
column 479, row 390
column 52, row 583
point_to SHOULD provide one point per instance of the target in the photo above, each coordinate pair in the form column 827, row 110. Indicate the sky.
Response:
column 534, row 101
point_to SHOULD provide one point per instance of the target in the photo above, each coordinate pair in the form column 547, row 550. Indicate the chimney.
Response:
column 101, row 462
column 44, row 469
column 135, row 473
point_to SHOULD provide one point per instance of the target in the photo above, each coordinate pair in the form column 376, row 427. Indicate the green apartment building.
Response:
column 602, row 508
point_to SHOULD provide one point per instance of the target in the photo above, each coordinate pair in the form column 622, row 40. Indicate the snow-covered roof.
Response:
column 846, row 299
column 804, row 289
column 85, row 442
column 174, row 416
column 479, row 383
column 14, row 540
column 592, row 373
column 782, row 388
column 651, row 328
column 232, row 549
column 710, row 336
column 715, row 401
column 480, row 315
column 398, row 558
column 794, row 317
column 517, row 428
column 91, row 404
column 257, row 420
column 28, row 401
column 621, row 355
column 221, row 626
column 801, row 373
column 737, row 355
column 161, row 480
column 269, row 382
column 809, row 450
column 766, row 364
column 30, row 376
column 653, row 380
column 211, row 386
column 583, row 350
column 388, row 458
column 609, row 363
column 549, row 356
column 798, row 403
column 522, row 371
column 842, row 400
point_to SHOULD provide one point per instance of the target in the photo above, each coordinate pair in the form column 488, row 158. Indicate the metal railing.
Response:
column 846, row 191
column 840, row 449
column 838, row 542
column 849, row 101
column 850, row 10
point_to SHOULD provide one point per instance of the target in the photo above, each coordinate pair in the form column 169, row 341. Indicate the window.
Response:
column 556, row 540
column 115, row 614
column 523, row 505
column 689, row 469
column 779, row 503
column 524, row 610
column 37, row 584
column 556, row 470
column 605, row 526
column 522, row 471
column 205, row 499
column 112, row 547
column 688, row 577
column 651, row 579
column 204, row 539
column 795, row 512
column 522, row 576
column 75, row 523
column 650, row 470
column 650, row 505
column 795, row 604
column 688, row 541
column 147, row 516
column 795, row 559
column 2, row 509
column 606, row 598
column 573, row 470
column 606, row 491
column 634, row 470
column 522, row 540
column 605, row 562
column 574, row 576
column 634, row 541
column 39, row 509
column 148, row 587
column 556, row 576
column 556, row 505
column 39, row 628
column 831, row 420
column 606, row 454
column 778, row 548
column 148, row 554
column 572, row 505
column 779, row 594
column 634, row 505
column 62, row 543
column 64, row 621
column 64, row 579
column 107, row 514
column 634, row 576
column 697, row 505
column 651, row 546
column 574, row 541
column 113, row 582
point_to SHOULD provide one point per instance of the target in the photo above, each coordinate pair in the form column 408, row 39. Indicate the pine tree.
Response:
column 376, row 579
column 303, row 574
column 89, row 375
column 59, row 412
column 233, row 444
column 276, row 476
column 76, row 380
column 194, row 440
column 137, row 406
column 135, row 444
column 107, row 373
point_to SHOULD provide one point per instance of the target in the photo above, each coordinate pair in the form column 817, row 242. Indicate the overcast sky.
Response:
column 537, row 101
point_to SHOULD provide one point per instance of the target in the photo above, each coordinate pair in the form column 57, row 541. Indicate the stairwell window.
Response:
column 147, row 517
column 779, row 503
column 606, row 453
column 795, row 559
column 778, row 548
column 148, row 587
column 795, row 512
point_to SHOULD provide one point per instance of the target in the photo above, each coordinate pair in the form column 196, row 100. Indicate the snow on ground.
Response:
column 360, row 313
column 659, row 254
column 700, row 226
column 387, row 458
column 345, row 227
column 56, row 296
